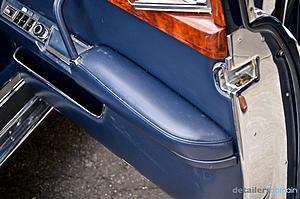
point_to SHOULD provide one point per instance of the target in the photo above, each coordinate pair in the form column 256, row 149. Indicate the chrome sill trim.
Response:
column 17, row 116
column 10, row 88
column 21, row 126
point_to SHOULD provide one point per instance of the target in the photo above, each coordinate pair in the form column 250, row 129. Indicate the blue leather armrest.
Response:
column 146, row 102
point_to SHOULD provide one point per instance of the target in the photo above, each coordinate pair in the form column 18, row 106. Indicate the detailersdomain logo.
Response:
column 237, row 190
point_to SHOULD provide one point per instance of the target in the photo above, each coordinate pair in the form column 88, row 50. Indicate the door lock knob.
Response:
column 40, row 31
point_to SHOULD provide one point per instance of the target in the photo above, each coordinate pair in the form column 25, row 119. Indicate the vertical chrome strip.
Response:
column 261, row 129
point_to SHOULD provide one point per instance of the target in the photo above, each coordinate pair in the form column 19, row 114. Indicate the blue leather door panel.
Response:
column 185, row 77
column 170, row 120
column 163, row 113
column 154, row 161
column 180, row 67
column 130, row 142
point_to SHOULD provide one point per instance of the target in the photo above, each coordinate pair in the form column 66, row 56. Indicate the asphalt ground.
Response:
column 62, row 161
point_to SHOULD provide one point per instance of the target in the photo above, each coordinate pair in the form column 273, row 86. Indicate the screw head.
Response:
column 239, row 40
column 280, row 53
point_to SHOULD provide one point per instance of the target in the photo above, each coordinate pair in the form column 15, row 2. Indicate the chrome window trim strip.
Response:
column 169, row 6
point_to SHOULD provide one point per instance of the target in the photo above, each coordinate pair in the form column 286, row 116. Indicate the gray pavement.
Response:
column 63, row 161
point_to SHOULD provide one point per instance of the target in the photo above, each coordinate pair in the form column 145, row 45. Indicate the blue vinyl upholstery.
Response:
column 171, row 120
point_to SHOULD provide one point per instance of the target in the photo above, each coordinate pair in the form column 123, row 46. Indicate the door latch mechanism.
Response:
column 234, row 81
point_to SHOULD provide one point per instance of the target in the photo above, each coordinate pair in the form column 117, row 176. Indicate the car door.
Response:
column 201, row 97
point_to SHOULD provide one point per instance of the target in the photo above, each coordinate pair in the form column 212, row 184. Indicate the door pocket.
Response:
column 53, row 77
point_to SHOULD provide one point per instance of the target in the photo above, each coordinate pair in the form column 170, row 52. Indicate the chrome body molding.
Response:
column 197, row 6
column 261, row 129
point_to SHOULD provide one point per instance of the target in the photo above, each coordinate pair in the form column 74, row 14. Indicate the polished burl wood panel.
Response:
column 196, row 30
column 217, row 12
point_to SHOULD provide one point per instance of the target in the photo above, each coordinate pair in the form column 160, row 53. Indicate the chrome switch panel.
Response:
column 26, row 20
